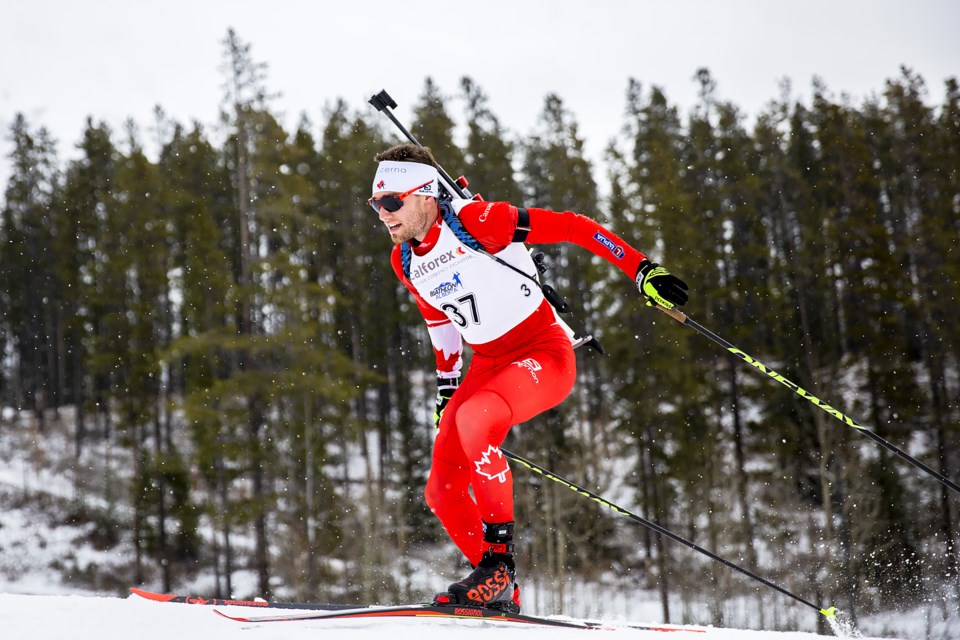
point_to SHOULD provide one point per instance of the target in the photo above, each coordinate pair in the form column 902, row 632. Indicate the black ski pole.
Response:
column 685, row 320
column 829, row 612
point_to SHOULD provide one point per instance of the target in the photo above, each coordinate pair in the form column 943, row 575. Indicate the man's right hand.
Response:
column 445, row 389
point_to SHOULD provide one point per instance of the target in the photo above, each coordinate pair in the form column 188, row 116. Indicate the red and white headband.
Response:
column 404, row 176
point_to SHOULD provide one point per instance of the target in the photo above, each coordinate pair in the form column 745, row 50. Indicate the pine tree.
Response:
column 434, row 128
column 377, row 328
column 196, row 201
column 558, row 176
column 659, row 377
column 941, row 235
column 89, row 301
column 29, row 321
column 730, row 240
column 903, row 147
column 232, row 414
column 489, row 153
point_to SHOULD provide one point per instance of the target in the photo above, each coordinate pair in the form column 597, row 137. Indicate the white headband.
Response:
column 404, row 176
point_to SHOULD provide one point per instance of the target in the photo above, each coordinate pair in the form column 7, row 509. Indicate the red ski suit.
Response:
column 512, row 378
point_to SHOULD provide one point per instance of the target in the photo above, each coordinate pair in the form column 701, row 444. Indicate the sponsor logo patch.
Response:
column 486, row 212
column 532, row 366
column 613, row 247
column 424, row 268
column 447, row 288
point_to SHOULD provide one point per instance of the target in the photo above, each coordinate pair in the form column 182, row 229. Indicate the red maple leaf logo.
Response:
column 492, row 465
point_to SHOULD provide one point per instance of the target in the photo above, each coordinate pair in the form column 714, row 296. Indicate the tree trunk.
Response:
column 742, row 481
column 663, row 568
column 161, row 505
column 261, row 546
column 225, row 529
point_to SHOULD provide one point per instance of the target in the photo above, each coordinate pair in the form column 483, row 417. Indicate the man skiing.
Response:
column 523, row 362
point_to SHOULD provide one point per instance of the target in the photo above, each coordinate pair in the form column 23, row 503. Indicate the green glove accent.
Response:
column 660, row 287
column 445, row 389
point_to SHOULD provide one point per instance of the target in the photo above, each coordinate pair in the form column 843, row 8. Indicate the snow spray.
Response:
column 842, row 625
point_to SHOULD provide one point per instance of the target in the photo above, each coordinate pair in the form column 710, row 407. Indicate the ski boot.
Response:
column 493, row 582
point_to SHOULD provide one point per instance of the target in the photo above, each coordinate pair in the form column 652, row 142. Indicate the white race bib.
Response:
column 483, row 299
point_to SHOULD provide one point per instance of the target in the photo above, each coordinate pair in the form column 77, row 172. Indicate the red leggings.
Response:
column 495, row 394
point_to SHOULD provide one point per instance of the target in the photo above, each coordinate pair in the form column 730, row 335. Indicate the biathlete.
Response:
column 523, row 361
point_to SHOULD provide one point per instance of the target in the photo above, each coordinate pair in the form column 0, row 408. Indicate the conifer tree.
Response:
column 489, row 153
column 90, row 295
column 903, row 149
column 941, row 232
column 29, row 288
column 434, row 128
column 728, row 238
column 659, row 388
column 371, row 325
column 558, row 176
column 196, row 201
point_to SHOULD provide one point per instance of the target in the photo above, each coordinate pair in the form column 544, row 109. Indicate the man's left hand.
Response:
column 660, row 287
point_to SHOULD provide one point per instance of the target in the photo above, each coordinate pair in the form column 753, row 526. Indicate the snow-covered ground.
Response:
column 26, row 617
column 56, row 581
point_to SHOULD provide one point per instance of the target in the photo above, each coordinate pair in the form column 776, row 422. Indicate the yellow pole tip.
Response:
column 830, row 613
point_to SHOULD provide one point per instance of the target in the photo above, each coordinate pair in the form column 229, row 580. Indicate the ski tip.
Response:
column 229, row 617
column 830, row 612
column 149, row 595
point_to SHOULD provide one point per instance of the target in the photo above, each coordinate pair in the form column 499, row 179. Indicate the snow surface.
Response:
column 48, row 555
column 35, row 617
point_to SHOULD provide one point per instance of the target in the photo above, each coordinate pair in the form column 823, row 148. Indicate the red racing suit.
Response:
column 523, row 362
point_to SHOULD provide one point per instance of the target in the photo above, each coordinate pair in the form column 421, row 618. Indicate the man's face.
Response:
column 412, row 220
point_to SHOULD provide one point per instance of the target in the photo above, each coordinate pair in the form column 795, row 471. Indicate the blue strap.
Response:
column 446, row 210
column 405, row 253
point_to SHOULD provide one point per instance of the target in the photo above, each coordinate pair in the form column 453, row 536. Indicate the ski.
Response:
column 448, row 612
column 169, row 597
column 350, row 611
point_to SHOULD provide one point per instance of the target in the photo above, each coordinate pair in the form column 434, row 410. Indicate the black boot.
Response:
column 493, row 582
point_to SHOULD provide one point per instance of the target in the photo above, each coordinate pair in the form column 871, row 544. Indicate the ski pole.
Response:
column 685, row 320
column 829, row 612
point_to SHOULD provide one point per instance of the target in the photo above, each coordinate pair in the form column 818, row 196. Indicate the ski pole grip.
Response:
column 679, row 316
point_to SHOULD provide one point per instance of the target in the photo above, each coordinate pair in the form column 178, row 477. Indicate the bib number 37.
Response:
column 465, row 305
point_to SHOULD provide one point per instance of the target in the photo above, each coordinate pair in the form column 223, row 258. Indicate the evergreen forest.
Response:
column 247, row 388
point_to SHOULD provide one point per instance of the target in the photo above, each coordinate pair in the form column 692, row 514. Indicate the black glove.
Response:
column 445, row 389
column 660, row 287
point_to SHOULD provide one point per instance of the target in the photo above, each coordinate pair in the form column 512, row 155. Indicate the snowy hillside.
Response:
column 63, row 556
column 77, row 618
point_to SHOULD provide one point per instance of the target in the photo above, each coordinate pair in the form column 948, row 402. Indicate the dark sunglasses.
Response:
column 392, row 203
